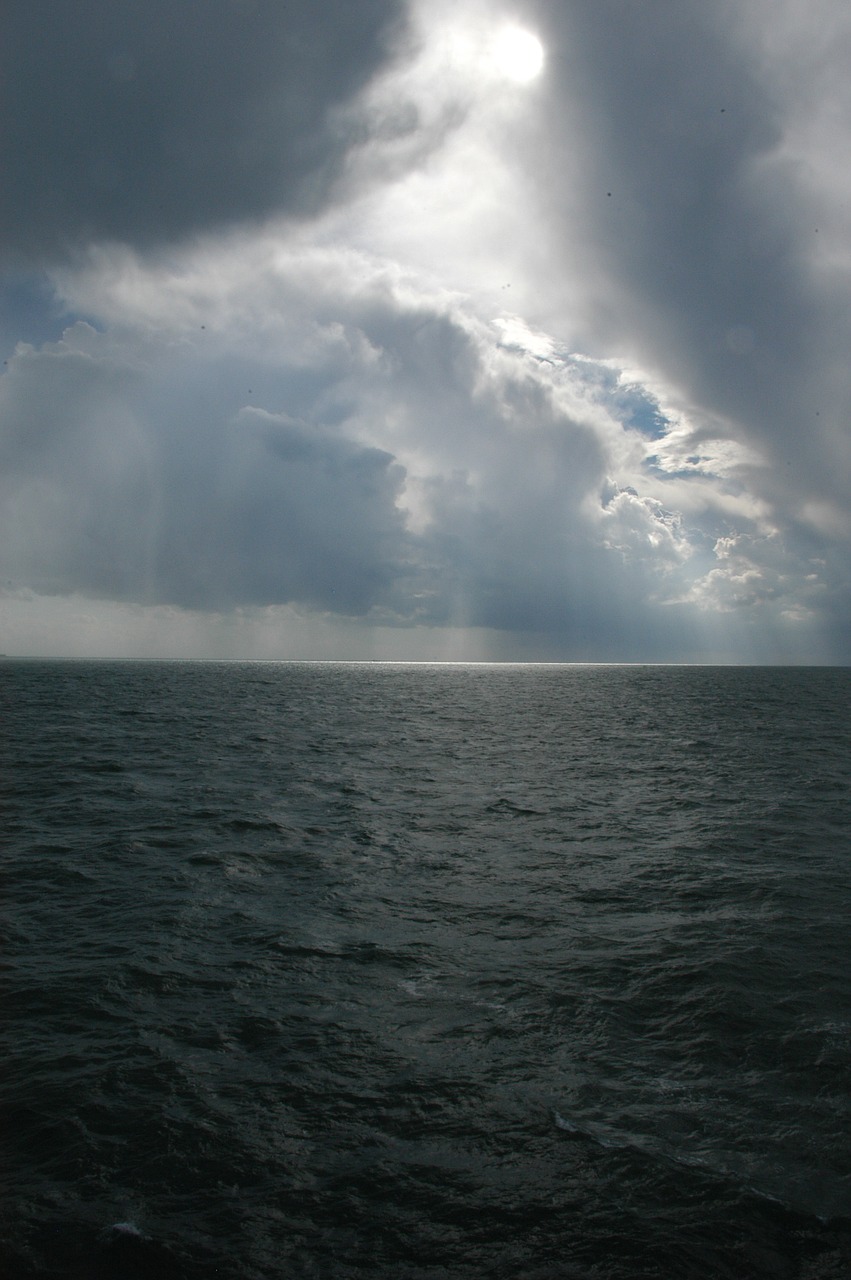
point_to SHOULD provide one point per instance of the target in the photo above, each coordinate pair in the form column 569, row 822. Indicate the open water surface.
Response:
column 412, row 971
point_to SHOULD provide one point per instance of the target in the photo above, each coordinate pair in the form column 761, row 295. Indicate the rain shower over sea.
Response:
column 425, row 971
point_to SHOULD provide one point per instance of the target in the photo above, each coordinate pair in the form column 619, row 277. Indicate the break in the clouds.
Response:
column 427, row 330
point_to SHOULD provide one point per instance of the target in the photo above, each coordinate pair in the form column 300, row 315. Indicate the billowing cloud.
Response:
column 551, row 358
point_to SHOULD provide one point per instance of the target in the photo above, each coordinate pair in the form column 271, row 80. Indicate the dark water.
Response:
column 423, row 971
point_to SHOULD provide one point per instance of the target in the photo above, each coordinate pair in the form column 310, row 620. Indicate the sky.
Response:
column 418, row 330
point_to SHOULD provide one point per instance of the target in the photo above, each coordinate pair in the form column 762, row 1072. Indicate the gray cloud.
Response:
column 563, row 361
column 115, row 495
column 434, row 478
column 147, row 122
column 702, row 223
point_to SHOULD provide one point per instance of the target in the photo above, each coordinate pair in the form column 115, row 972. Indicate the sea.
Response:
column 421, row 971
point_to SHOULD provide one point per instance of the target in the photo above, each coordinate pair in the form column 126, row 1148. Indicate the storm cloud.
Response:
column 148, row 123
column 338, row 309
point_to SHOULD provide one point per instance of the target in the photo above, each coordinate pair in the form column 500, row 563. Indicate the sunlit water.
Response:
column 425, row 971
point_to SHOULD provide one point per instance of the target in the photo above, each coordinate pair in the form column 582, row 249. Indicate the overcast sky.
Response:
column 426, row 329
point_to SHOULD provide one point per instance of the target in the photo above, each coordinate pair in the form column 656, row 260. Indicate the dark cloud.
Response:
column 29, row 311
column 144, row 122
column 648, row 458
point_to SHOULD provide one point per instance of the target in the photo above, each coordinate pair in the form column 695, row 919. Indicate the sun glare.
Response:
column 518, row 54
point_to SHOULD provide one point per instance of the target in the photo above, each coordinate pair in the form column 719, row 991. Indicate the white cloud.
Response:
column 641, row 529
column 757, row 573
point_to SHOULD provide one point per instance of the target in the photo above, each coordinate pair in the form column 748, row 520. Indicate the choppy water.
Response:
column 425, row 971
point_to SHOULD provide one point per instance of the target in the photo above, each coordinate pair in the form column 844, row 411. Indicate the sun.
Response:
column 517, row 54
